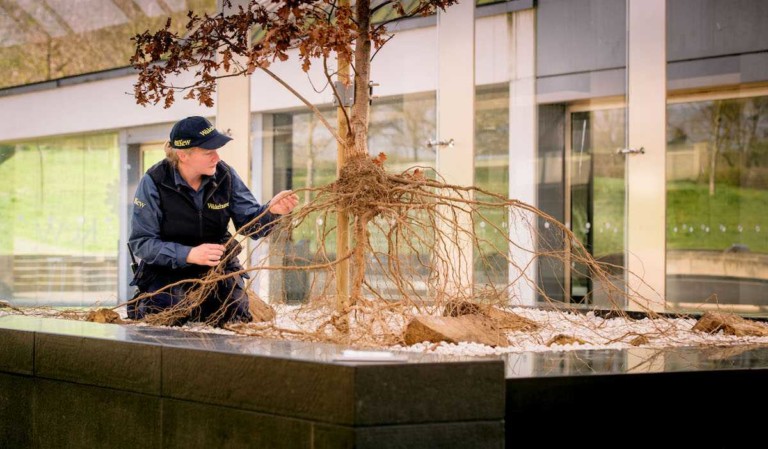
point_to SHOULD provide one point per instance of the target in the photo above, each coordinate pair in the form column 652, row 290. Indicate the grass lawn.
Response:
column 61, row 197
column 733, row 215
column 695, row 220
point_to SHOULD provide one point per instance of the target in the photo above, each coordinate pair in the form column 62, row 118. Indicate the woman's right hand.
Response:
column 206, row 254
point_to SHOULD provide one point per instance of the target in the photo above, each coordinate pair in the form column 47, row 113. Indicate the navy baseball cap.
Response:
column 197, row 132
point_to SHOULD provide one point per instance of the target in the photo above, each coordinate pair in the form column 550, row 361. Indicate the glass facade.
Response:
column 713, row 243
column 59, row 214
column 305, row 157
column 716, row 156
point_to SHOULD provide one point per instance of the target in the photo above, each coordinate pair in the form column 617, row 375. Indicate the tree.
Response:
column 318, row 29
column 427, row 224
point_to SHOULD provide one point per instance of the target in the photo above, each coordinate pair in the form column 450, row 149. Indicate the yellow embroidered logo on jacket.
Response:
column 215, row 206
column 138, row 202
column 181, row 142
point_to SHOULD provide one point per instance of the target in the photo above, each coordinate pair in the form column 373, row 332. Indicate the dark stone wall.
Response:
column 67, row 384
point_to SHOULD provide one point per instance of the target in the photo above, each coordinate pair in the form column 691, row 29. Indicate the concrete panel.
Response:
column 16, row 351
column 580, row 36
column 581, row 86
column 706, row 28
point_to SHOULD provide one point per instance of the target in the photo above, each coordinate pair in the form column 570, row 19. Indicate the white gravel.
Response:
column 597, row 332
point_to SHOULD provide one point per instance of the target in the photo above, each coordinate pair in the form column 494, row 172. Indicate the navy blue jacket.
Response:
column 151, row 242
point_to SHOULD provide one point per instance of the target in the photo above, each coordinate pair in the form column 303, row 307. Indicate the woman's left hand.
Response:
column 283, row 203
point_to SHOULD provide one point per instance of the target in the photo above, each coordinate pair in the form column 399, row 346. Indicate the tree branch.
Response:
column 312, row 107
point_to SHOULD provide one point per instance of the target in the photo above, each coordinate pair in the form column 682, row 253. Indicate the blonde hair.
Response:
column 172, row 155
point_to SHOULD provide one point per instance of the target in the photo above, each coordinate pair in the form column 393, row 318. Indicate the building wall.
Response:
column 717, row 51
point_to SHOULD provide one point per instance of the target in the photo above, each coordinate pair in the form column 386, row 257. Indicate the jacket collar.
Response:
column 180, row 182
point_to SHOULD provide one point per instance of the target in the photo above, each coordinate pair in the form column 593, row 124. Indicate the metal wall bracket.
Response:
column 347, row 94
column 371, row 96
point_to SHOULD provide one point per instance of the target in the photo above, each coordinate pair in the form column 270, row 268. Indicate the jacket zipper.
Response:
column 200, row 221
column 199, row 211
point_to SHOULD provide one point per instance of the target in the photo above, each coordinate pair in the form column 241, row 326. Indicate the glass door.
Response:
column 601, row 166
column 595, row 197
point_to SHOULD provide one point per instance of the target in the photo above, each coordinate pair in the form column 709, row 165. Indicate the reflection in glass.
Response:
column 42, row 41
column 597, row 195
column 550, row 193
column 59, row 216
column 151, row 154
column 492, row 174
column 717, row 198
column 305, row 157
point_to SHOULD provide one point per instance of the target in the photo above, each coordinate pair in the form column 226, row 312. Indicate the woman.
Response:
column 181, row 211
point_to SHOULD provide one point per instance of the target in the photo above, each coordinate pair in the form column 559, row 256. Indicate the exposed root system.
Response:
column 416, row 248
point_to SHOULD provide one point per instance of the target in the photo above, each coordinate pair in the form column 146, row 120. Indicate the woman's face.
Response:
column 199, row 161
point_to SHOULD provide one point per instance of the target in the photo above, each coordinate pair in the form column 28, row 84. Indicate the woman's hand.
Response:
column 283, row 203
column 206, row 254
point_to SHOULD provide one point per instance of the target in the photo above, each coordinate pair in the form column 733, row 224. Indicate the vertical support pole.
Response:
column 522, row 152
column 342, row 217
column 233, row 116
column 646, row 180
column 262, row 166
column 456, row 122
column 124, row 217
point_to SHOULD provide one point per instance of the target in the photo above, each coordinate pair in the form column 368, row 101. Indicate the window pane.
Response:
column 151, row 154
column 59, row 202
column 305, row 156
column 717, row 195
column 492, row 174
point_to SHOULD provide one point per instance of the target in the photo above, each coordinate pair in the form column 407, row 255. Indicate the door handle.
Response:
column 640, row 150
column 440, row 143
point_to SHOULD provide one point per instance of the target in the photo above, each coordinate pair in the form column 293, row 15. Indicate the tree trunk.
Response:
column 362, row 64
column 342, row 216
column 358, row 258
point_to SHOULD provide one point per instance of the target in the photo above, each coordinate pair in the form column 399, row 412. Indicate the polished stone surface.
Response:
column 191, row 425
column 71, row 415
column 635, row 361
column 16, row 411
column 14, row 328
column 313, row 352
column 103, row 363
